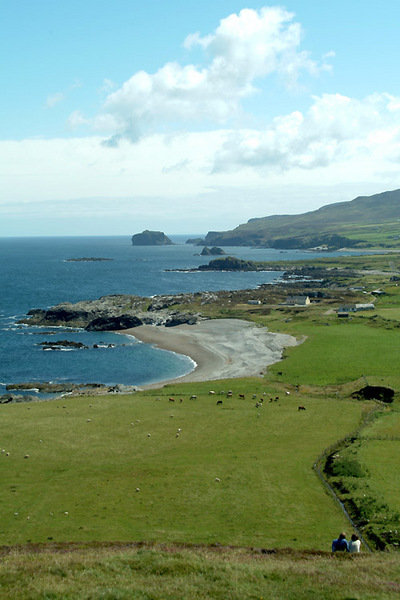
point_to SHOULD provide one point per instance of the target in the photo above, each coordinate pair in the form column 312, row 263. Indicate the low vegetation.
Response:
column 158, row 572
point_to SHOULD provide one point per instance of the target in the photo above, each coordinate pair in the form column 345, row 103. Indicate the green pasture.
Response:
column 74, row 465
column 341, row 351
column 379, row 452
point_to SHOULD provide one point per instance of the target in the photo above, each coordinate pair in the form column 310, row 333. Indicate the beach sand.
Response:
column 221, row 348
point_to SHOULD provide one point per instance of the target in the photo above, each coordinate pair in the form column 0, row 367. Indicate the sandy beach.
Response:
column 221, row 348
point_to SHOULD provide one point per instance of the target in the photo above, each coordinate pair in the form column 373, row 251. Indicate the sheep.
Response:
column 217, row 479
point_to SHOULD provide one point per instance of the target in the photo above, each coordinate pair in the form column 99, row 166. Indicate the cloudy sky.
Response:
column 188, row 116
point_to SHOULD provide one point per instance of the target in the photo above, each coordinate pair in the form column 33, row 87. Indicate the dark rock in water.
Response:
column 230, row 263
column 214, row 251
column 195, row 241
column 151, row 238
column 114, row 323
column 86, row 259
column 181, row 319
column 55, row 345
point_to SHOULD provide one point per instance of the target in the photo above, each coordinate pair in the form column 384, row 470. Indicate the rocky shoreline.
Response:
column 59, row 389
column 114, row 313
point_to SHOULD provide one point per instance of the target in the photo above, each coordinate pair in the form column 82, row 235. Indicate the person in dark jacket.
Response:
column 340, row 544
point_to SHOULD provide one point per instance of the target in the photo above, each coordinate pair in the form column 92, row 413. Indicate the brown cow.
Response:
column 301, row 408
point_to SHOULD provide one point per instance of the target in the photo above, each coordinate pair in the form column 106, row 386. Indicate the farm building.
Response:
column 298, row 301
column 367, row 306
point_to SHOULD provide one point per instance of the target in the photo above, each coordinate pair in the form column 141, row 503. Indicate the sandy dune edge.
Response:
column 221, row 348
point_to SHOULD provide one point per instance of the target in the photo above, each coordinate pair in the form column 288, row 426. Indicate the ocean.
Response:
column 36, row 273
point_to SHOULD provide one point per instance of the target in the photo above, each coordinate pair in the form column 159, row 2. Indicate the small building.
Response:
column 348, row 308
column 368, row 306
column 298, row 301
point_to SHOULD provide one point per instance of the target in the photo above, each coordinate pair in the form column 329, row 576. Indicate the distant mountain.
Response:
column 367, row 221
column 151, row 238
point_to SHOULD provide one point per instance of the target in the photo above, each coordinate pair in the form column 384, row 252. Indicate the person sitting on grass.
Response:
column 340, row 544
column 354, row 544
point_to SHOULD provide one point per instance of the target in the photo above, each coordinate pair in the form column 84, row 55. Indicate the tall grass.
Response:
column 180, row 573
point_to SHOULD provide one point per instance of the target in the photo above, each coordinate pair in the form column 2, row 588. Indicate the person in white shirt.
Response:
column 354, row 544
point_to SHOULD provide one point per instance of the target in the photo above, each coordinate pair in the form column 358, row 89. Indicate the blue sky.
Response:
column 186, row 117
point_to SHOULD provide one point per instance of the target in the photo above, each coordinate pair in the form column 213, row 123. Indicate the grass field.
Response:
column 80, row 480
column 176, row 573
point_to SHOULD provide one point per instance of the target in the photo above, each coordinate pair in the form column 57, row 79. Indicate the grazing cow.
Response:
column 229, row 395
column 241, row 396
column 301, row 408
column 219, row 402
column 257, row 405
column 254, row 396
column 193, row 397
column 171, row 400
column 211, row 392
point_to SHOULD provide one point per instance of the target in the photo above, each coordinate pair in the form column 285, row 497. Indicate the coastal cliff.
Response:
column 366, row 221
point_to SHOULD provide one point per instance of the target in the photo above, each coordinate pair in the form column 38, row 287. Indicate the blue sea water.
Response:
column 35, row 273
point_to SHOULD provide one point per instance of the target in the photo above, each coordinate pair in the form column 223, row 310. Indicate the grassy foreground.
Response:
column 176, row 573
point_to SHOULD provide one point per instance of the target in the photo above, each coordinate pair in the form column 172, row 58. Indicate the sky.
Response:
column 185, row 116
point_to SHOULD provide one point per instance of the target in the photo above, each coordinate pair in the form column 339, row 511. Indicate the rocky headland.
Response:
column 114, row 313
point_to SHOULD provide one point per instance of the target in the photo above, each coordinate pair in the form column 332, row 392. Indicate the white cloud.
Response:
column 54, row 99
column 245, row 47
column 335, row 128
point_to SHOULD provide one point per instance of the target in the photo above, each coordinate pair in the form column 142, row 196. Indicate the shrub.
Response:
column 347, row 467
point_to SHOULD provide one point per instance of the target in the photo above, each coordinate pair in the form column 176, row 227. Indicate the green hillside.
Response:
column 367, row 221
